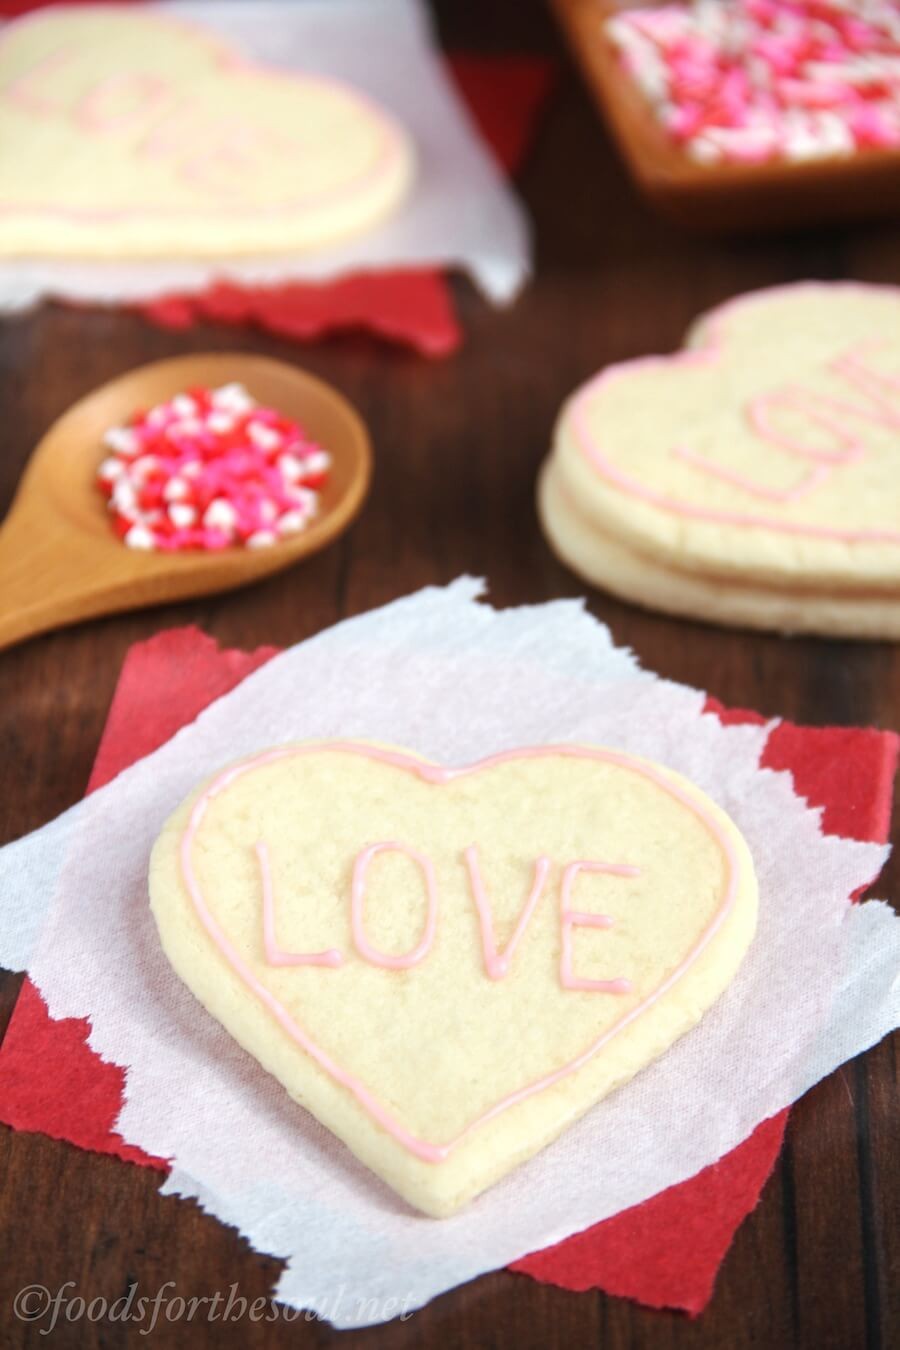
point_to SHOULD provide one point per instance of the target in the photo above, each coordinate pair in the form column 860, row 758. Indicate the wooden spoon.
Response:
column 60, row 560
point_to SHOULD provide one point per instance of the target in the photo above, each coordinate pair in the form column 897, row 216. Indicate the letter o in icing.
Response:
column 101, row 108
column 358, row 901
column 848, row 445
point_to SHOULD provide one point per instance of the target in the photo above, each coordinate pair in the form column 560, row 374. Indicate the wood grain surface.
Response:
column 457, row 446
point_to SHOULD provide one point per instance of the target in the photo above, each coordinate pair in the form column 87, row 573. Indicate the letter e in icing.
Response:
column 573, row 918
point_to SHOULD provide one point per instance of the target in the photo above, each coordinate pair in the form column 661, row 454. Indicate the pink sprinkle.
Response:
column 870, row 128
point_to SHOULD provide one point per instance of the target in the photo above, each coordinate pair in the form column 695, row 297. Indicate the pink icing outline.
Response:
column 715, row 337
column 358, row 902
column 810, row 480
column 224, row 57
column 436, row 774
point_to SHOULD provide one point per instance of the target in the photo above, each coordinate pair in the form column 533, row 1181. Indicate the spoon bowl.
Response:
column 60, row 560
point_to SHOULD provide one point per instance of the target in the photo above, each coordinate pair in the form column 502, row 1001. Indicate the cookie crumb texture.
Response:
column 441, row 1068
column 209, row 469
column 751, row 478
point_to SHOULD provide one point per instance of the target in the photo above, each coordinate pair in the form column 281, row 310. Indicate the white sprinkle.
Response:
column 175, row 490
column 144, row 466
column 289, row 466
column 122, row 440
column 110, row 469
column 124, row 495
column 263, row 437
column 183, row 405
column 220, row 423
column 703, row 150
column 305, row 499
column 220, row 515
column 805, row 142
column 233, row 397
column 261, row 539
column 187, row 426
column 292, row 522
column 835, row 135
column 317, row 462
column 268, row 510
column 182, row 515
column 140, row 537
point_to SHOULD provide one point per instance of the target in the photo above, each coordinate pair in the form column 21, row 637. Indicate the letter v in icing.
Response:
column 496, row 964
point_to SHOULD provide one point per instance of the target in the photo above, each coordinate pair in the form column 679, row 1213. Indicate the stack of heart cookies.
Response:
column 751, row 479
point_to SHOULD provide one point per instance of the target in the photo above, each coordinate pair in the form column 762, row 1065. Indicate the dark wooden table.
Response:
column 458, row 443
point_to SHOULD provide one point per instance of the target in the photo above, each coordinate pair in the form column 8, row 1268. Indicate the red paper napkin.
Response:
column 665, row 1252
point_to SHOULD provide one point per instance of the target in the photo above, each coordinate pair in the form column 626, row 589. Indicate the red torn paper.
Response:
column 412, row 307
column 74, row 1094
column 665, row 1252
column 504, row 96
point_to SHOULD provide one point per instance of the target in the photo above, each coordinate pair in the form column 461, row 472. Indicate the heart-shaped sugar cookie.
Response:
column 129, row 134
column 449, row 966
column 753, row 476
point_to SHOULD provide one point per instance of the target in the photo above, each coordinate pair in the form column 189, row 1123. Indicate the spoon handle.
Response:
column 42, row 585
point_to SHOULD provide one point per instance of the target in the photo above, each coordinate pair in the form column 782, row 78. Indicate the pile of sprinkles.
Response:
column 210, row 469
column 753, row 80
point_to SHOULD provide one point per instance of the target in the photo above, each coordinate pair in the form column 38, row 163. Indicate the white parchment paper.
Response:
column 461, row 211
column 449, row 677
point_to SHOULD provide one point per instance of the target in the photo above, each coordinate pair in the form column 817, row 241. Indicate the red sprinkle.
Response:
column 210, row 469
